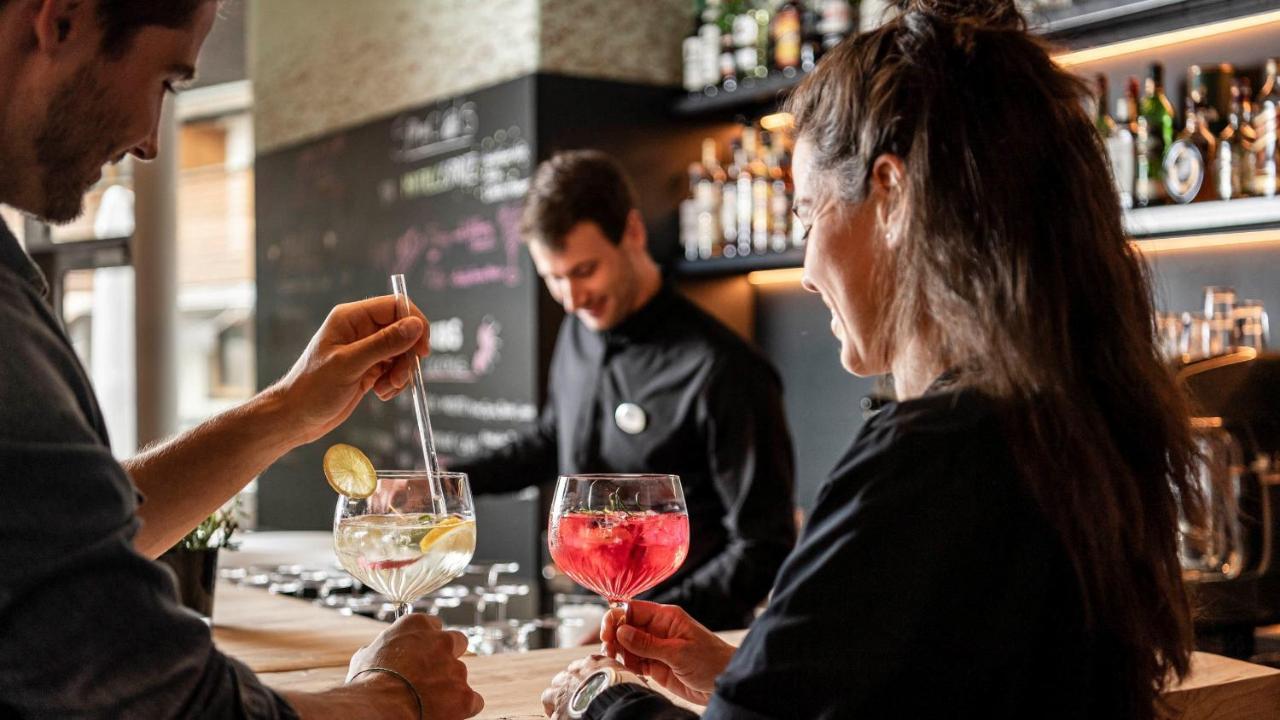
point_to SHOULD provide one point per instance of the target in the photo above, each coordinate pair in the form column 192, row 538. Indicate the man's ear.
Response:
column 56, row 24
column 634, row 236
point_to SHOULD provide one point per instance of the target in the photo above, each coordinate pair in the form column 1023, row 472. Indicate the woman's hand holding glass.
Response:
column 664, row 644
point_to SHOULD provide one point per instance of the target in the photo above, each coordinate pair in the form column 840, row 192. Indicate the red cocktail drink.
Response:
column 619, row 554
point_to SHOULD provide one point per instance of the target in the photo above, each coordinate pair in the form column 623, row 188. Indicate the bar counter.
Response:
column 294, row 645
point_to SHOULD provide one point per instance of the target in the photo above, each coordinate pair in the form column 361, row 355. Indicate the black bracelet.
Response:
column 416, row 697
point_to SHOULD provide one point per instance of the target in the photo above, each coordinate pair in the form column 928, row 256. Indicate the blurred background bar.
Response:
column 329, row 143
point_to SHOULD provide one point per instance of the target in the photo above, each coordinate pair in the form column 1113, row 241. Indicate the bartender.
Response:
column 641, row 380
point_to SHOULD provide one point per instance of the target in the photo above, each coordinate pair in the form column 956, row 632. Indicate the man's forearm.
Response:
column 187, row 477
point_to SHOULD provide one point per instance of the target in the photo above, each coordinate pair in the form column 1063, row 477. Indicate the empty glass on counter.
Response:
column 1169, row 336
column 1212, row 549
column 1195, row 337
column 1251, row 324
column 1219, row 304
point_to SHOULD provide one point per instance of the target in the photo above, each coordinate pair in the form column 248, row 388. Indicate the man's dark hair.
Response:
column 573, row 187
column 122, row 19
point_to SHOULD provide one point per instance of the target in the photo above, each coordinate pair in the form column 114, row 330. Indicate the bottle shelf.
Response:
column 736, row 265
column 1220, row 218
column 750, row 94
column 1090, row 23
column 1205, row 217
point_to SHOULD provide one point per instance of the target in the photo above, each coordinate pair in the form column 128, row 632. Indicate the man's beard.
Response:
column 66, row 145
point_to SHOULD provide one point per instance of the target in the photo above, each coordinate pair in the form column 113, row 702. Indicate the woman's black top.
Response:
column 927, row 584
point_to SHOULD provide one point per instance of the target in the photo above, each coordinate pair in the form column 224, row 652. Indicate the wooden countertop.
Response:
column 294, row 645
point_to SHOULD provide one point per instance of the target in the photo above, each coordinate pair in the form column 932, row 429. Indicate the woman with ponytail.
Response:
column 1000, row 542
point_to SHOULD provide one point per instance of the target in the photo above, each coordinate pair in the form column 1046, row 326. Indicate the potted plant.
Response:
column 194, row 560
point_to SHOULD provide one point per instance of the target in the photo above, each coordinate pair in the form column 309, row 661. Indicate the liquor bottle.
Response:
column 1101, row 120
column 728, row 49
column 691, row 52
column 1131, row 101
column 837, row 22
column 689, row 215
column 1234, row 145
column 1266, row 125
column 729, row 201
column 1247, row 168
column 742, row 160
column 761, row 185
column 810, row 35
column 786, row 37
column 1189, row 159
column 780, row 193
column 709, row 34
column 1121, row 153
column 763, row 54
column 745, row 33
column 708, row 195
column 1155, row 131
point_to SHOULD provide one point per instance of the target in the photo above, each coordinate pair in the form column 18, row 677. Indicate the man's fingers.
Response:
column 459, row 644
column 383, row 345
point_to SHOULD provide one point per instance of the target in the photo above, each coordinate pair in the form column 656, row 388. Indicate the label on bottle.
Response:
column 760, row 214
column 1121, row 153
column 837, row 17
column 786, row 39
column 1265, row 157
column 708, row 197
column 729, row 212
column 709, row 34
column 1224, row 175
column 1183, row 171
column 744, row 31
column 693, row 65
column 779, row 217
column 728, row 68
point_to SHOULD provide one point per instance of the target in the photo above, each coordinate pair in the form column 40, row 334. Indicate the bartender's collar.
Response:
column 643, row 321
column 16, row 259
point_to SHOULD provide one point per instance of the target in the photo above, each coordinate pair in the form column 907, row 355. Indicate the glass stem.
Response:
column 403, row 609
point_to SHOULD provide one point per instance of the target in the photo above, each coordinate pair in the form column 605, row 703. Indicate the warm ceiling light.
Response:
column 777, row 121
column 1202, row 242
column 1174, row 37
column 781, row 276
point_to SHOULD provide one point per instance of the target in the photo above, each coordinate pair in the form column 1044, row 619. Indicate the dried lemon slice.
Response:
column 349, row 472
column 445, row 527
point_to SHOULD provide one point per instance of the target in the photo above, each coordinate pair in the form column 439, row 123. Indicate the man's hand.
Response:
column 555, row 699
column 360, row 347
column 663, row 643
column 416, row 647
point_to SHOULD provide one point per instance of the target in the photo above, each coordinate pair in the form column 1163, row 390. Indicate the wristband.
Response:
column 416, row 697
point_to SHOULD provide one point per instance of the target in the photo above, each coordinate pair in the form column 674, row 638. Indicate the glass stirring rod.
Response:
column 420, row 404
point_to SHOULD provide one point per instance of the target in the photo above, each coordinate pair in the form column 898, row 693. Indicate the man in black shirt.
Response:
column 642, row 380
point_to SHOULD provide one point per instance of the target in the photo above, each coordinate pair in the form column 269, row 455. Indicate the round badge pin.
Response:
column 630, row 418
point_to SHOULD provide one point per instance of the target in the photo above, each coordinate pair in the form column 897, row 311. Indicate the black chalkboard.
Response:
column 433, row 193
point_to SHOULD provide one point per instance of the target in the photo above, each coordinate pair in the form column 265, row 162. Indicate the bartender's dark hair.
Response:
column 572, row 187
column 122, row 19
column 1013, row 258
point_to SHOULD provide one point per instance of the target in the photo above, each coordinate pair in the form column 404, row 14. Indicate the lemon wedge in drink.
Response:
column 449, row 527
column 349, row 472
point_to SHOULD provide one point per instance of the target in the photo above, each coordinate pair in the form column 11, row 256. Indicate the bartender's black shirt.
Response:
column 714, row 415
column 927, row 584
